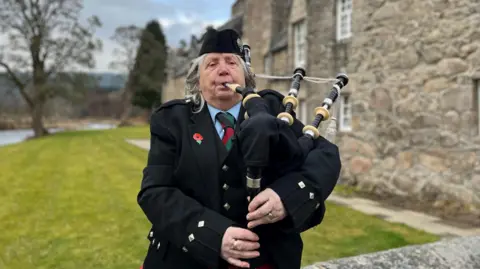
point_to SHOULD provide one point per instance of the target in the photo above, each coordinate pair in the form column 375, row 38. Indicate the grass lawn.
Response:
column 69, row 201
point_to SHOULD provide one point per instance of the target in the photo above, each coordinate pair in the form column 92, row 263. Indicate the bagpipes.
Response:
column 268, row 145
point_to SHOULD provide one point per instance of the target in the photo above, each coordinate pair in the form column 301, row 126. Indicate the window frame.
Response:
column 344, row 13
column 300, row 42
column 341, row 113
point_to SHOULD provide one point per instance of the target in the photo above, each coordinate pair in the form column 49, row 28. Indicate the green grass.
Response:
column 345, row 232
column 69, row 201
column 345, row 190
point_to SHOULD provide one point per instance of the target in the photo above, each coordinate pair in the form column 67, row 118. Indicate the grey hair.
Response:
column 192, row 89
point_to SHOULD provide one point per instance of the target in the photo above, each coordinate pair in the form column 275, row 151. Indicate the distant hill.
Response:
column 107, row 81
column 110, row 81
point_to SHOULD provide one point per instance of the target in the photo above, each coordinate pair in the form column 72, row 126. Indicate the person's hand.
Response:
column 266, row 207
column 238, row 243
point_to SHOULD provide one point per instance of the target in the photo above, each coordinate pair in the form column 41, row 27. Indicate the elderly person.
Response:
column 193, row 190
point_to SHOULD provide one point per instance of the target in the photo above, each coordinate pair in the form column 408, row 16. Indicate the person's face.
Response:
column 216, row 69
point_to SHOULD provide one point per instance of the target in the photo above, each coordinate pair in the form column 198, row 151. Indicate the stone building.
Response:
column 408, row 122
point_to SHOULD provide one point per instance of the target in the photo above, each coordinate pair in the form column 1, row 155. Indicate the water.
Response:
column 9, row 137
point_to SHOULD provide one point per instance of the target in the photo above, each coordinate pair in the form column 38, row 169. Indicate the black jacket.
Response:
column 192, row 192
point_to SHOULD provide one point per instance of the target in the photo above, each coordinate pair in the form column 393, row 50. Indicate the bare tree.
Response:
column 128, row 40
column 45, row 39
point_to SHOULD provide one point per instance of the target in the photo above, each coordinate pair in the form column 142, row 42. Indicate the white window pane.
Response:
column 344, row 10
column 299, row 42
column 345, row 115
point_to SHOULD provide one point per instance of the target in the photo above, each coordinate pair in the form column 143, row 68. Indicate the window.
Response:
column 300, row 42
column 345, row 113
column 344, row 19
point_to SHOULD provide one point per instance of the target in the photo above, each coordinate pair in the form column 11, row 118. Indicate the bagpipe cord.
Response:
column 306, row 78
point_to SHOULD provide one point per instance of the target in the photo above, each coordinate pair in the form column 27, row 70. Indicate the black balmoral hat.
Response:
column 224, row 41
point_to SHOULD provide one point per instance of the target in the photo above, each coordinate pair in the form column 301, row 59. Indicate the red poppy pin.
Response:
column 198, row 137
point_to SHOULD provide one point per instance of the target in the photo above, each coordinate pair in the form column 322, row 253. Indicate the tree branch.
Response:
column 23, row 10
column 21, row 86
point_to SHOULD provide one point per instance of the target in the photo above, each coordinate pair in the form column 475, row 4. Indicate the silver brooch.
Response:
column 240, row 45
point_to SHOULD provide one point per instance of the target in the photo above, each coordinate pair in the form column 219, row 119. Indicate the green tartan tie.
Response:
column 228, row 124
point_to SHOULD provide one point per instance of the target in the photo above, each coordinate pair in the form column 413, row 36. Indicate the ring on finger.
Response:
column 270, row 215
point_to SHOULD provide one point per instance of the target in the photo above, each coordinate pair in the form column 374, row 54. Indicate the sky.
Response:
column 179, row 18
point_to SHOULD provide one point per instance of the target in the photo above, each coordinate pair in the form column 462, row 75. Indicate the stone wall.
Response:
column 238, row 8
column 257, row 25
column 458, row 253
column 280, row 63
column 411, row 65
column 175, row 89
column 299, row 11
column 320, row 47
column 279, row 66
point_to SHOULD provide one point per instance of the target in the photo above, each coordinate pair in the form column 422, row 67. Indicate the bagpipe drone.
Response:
column 267, row 143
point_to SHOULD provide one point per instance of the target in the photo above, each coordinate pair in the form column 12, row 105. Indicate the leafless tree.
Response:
column 127, row 39
column 45, row 44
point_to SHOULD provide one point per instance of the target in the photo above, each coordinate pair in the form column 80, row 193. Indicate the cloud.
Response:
column 166, row 22
column 180, row 19
column 184, row 25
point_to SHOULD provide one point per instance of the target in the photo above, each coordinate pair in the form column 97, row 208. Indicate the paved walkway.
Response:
column 142, row 143
column 417, row 220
